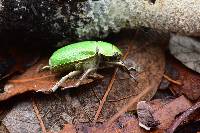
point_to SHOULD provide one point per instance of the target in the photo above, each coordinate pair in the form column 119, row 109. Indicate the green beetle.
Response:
column 84, row 57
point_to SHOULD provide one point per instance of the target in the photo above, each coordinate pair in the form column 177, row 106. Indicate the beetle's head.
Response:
column 116, row 56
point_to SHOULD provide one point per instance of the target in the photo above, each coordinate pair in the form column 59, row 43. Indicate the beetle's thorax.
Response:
column 86, row 64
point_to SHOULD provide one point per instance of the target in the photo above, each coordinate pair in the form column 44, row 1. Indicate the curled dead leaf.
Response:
column 190, row 81
column 33, row 80
column 168, row 112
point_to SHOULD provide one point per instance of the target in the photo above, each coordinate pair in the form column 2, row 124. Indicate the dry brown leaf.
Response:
column 190, row 81
column 33, row 80
column 151, row 58
column 21, row 119
column 167, row 113
column 17, row 59
column 125, row 124
column 68, row 128
column 80, row 104
column 184, row 117
column 159, row 103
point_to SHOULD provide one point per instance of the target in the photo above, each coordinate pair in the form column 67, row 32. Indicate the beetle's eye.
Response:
column 116, row 54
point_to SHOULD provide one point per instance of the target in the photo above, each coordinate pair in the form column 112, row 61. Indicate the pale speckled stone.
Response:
column 187, row 50
column 106, row 16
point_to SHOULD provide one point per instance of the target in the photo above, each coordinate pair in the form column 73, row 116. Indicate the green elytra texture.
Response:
column 66, row 57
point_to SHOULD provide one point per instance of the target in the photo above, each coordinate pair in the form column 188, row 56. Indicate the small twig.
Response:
column 105, row 96
column 110, row 86
column 38, row 116
column 126, row 97
column 182, row 117
column 7, row 75
column 171, row 80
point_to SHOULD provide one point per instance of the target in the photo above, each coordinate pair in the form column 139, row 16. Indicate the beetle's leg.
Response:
column 63, row 79
column 84, row 76
column 121, row 64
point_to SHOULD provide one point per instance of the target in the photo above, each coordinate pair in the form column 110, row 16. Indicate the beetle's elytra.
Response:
column 84, row 57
